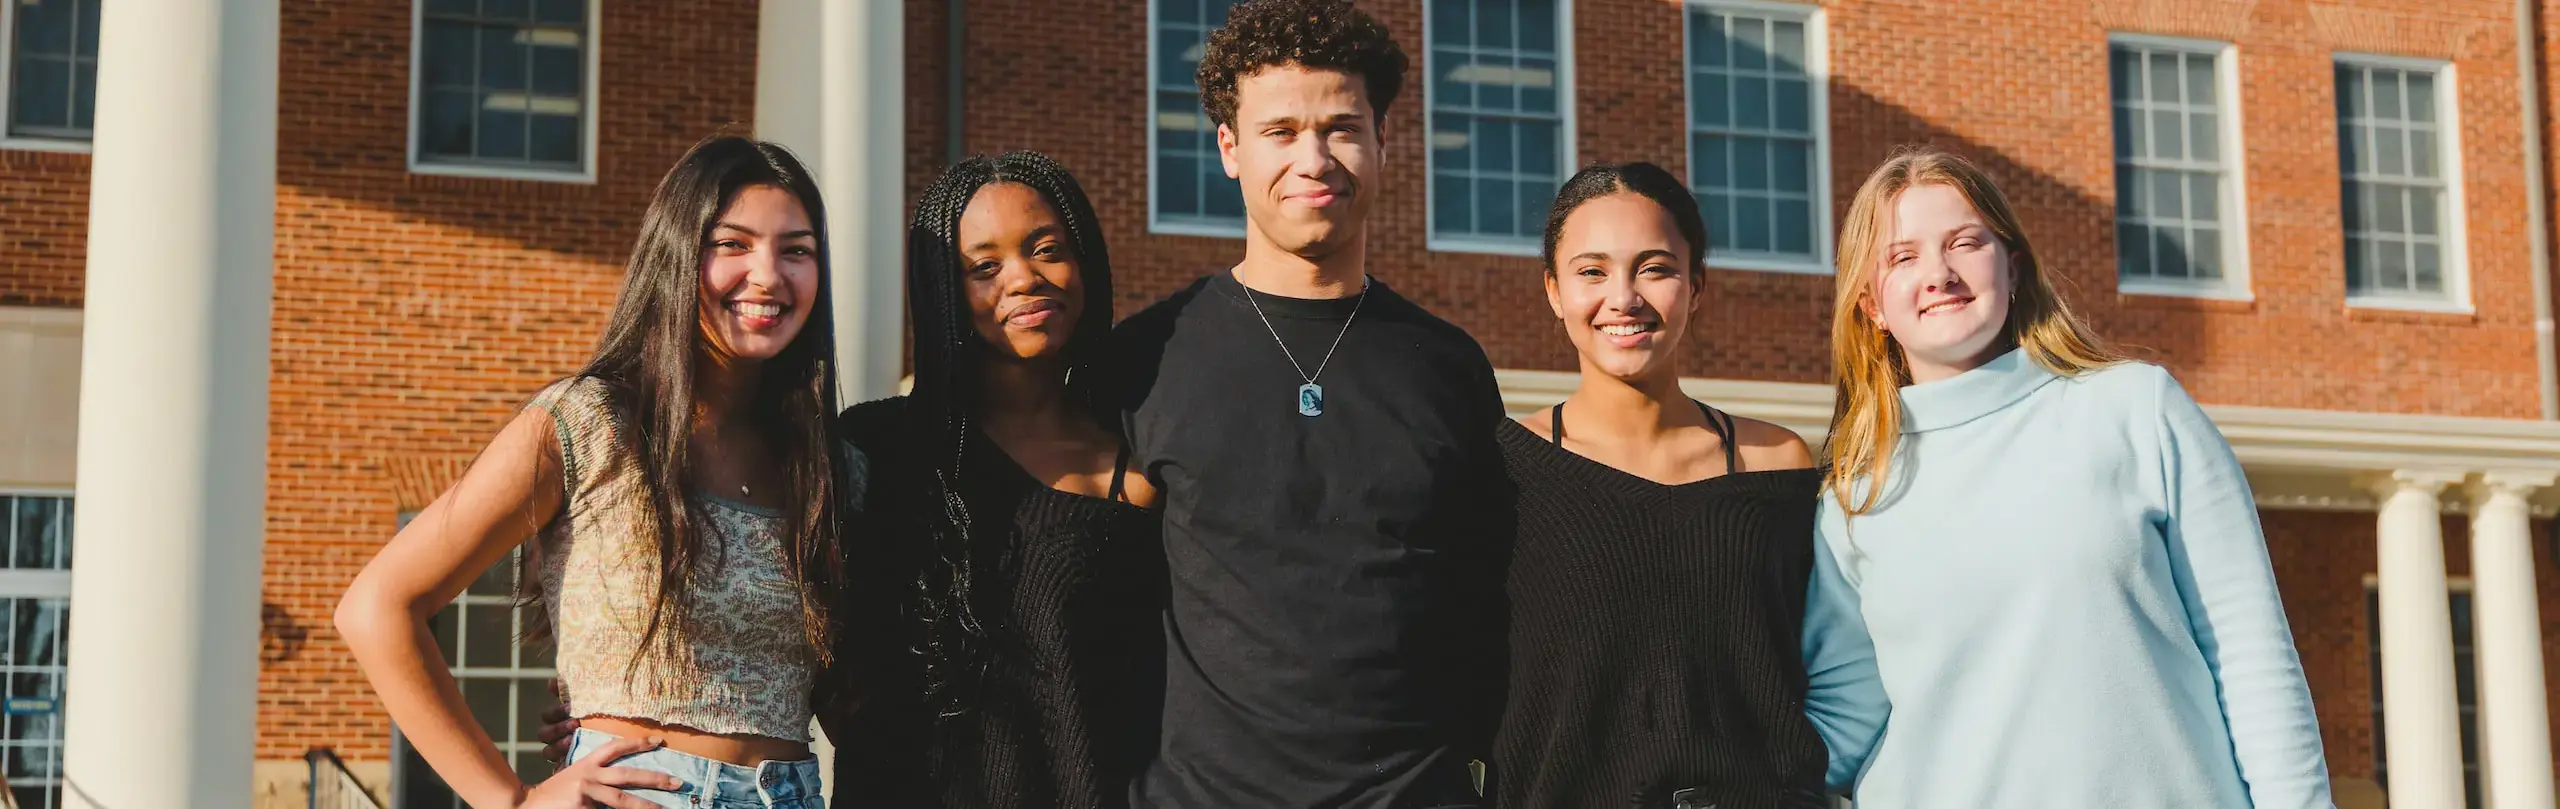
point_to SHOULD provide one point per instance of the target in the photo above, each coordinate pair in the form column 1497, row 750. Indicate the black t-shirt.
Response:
column 1333, row 614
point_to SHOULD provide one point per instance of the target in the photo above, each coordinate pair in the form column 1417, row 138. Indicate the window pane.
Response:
column 2429, row 269
column 2167, row 135
column 444, row 126
column 2133, row 251
column 2205, row 253
column 2386, row 95
column 503, row 65
column 2125, row 133
column 447, row 60
column 1501, row 213
column 1790, row 167
column 2390, row 210
column 2422, row 155
column 555, row 138
column 2351, row 92
column 1539, row 152
column 1793, row 98
column 2204, row 197
column 1708, row 46
column 498, row 580
column 1177, row 185
column 2200, row 90
column 2168, row 194
column 571, row 12
column 1709, row 102
column 2123, row 79
column 1751, row 164
column 2389, row 152
column 2422, row 97
column 532, row 698
column 2169, row 252
column 1497, row 85
column 506, row 9
column 557, row 71
column 1787, row 40
column 1449, row 21
column 2359, row 268
column 1750, row 102
column 2422, row 212
column 488, row 701
column 446, row 625
column 1452, row 204
column 46, row 27
column 2163, row 81
column 2391, row 264
column 40, row 94
column 2204, row 141
column 1718, row 211
column 1538, row 86
column 1794, row 219
column 2355, row 151
column 1750, row 44
column 1714, row 158
column 1494, row 147
column 1493, row 24
column 1751, row 224
column 488, row 636
column 87, row 30
column 1535, row 199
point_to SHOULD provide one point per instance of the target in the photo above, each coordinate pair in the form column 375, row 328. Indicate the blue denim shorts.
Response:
column 712, row 784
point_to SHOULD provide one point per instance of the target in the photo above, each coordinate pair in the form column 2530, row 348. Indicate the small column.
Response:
column 2422, row 728
column 2506, row 620
column 162, row 690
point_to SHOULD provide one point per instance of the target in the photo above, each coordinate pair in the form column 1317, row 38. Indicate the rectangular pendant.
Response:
column 1311, row 399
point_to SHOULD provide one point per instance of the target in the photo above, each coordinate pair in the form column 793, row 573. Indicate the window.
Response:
column 1192, row 192
column 35, row 605
column 503, row 88
column 52, row 68
column 1498, row 112
column 1758, row 135
column 2178, row 186
column 2466, row 686
column 2395, row 153
column 506, row 683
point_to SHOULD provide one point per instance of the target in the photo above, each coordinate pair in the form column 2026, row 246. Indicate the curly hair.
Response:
column 1319, row 34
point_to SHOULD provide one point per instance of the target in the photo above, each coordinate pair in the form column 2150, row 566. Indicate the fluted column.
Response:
column 2422, row 722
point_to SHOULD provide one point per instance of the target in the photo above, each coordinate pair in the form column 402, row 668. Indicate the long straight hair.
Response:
column 1868, row 369
column 652, row 348
column 948, row 355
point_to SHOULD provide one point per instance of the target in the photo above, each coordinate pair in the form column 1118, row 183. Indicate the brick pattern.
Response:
column 413, row 313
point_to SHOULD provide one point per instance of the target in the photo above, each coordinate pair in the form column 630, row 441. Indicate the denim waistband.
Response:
column 710, row 783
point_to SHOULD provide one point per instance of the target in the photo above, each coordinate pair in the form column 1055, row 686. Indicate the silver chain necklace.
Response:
column 1310, row 395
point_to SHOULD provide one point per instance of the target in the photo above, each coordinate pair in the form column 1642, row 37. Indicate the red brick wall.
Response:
column 44, row 219
column 2321, row 561
column 414, row 313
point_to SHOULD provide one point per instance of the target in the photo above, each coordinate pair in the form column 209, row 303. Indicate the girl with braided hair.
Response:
column 1010, row 664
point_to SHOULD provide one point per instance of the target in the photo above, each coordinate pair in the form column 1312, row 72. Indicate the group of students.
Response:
column 1273, row 542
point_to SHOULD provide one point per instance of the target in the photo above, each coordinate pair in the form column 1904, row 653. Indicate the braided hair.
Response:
column 957, row 648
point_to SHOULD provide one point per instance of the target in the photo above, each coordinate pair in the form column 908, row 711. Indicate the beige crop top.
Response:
column 745, row 668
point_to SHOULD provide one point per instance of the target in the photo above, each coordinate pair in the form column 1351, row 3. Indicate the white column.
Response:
column 831, row 85
column 2422, row 723
column 163, row 684
column 2506, row 620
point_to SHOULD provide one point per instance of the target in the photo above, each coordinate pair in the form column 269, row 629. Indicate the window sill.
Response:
column 32, row 144
column 1794, row 267
column 1488, row 247
column 2441, row 307
column 1201, row 229
column 2217, row 292
column 535, row 175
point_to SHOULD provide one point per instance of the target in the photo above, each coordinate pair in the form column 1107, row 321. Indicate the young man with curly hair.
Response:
column 1324, row 449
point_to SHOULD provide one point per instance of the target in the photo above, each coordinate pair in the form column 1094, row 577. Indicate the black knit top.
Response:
column 1654, row 635
column 1069, row 589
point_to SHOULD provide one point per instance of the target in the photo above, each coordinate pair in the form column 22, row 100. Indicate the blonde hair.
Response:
column 1867, row 365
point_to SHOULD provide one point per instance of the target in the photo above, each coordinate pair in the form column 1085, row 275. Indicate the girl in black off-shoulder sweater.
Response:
column 1007, row 636
column 1656, row 585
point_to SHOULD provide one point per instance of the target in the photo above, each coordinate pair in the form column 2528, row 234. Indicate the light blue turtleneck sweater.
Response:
column 2064, row 600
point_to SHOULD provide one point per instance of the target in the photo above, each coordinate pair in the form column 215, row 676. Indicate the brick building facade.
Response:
column 419, row 299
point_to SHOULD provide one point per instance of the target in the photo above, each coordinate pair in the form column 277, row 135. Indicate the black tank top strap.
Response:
column 1555, row 424
column 1722, row 423
column 1120, row 475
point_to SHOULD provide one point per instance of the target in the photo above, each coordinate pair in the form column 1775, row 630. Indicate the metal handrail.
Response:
column 332, row 786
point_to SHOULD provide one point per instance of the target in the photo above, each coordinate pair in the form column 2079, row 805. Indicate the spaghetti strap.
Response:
column 1555, row 424
column 1722, row 423
column 1120, row 475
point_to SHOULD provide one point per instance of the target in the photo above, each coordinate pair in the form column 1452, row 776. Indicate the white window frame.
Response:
column 1155, row 219
column 2235, row 283
column 8, row 62
column 593, row 110
column 39, row 585
column 1569, row 151
column 1817, row 67
column 2457, row 233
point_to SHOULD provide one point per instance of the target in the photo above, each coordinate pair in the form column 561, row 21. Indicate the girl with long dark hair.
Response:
column 1025, row 567
column 1659, row 568
column 675, row 505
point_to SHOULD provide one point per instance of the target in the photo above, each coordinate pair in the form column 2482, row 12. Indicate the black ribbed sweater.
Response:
column 1655, row 637
column 1070, row 590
